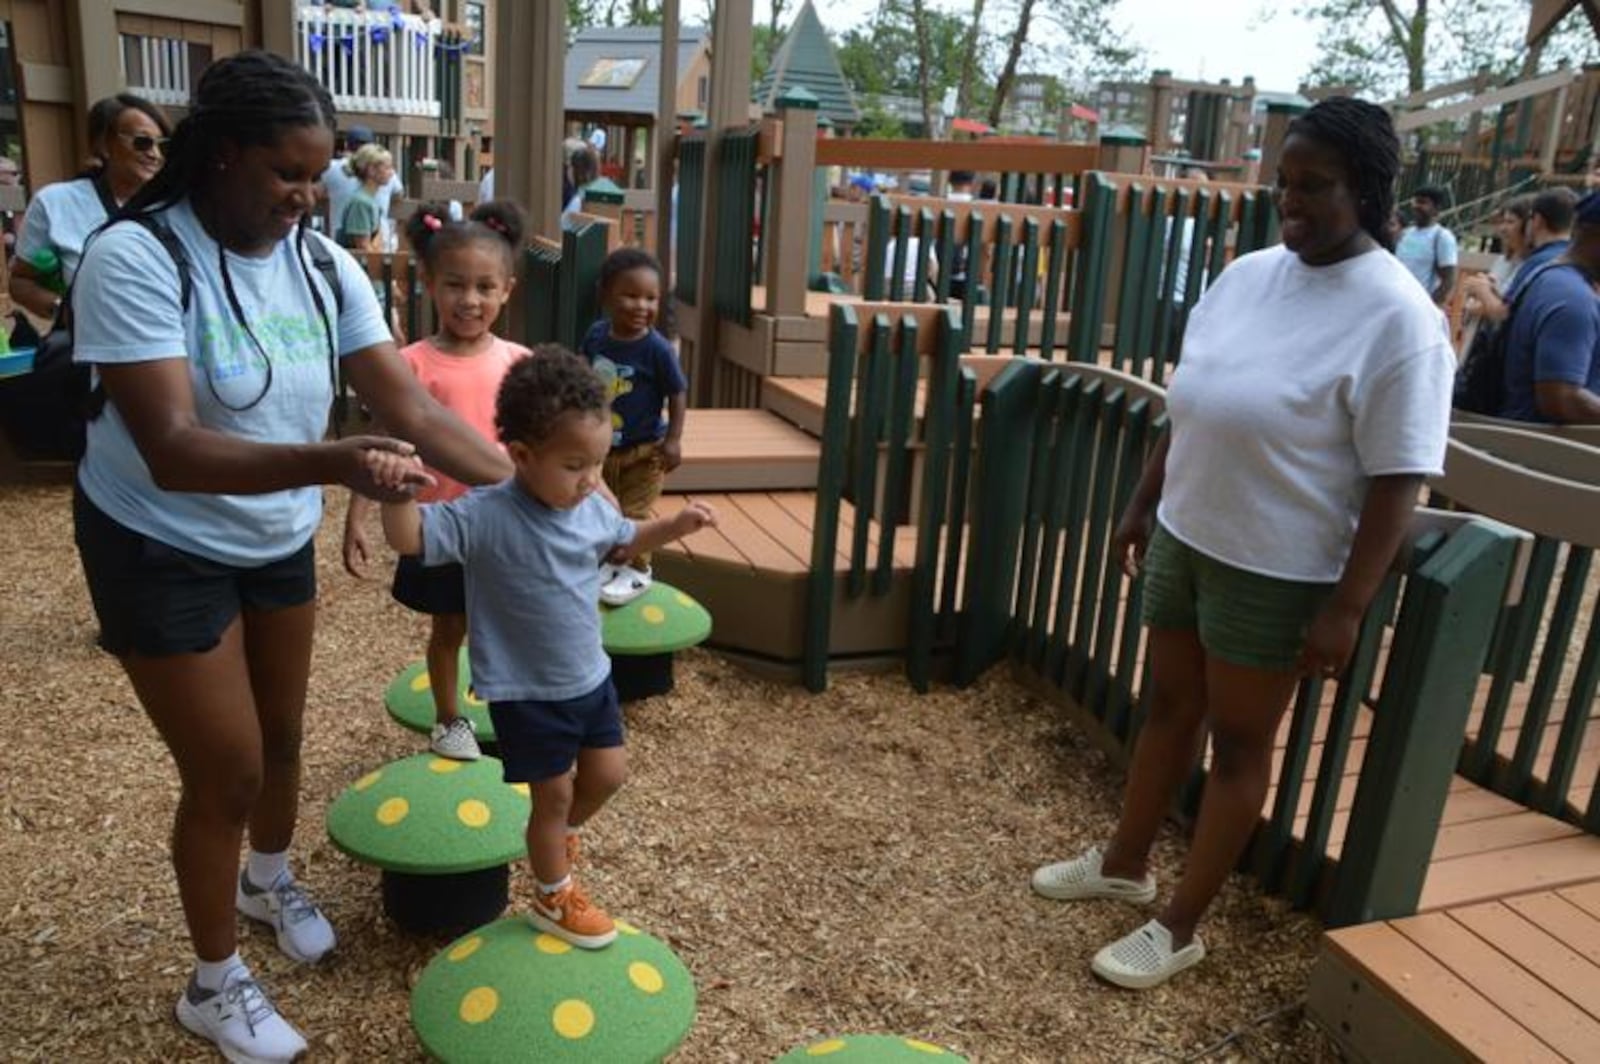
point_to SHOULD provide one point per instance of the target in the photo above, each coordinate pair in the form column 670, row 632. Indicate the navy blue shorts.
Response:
column 152, row 599
column 430, row 589
column 540, row 740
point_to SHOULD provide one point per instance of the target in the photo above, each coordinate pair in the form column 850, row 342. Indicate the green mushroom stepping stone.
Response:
column 443, row 832
column 508, row 992
column 870, row 1049
column 642, row 636
column 409, row 700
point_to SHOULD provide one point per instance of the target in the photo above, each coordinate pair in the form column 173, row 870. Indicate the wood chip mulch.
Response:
column 851, row 862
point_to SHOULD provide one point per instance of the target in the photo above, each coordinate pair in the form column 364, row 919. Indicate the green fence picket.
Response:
column 960, row 479
column 999, row 284
column 1027, row 284
column 872, row 400
column 899, row 419
column 1055, row 271
column 1098, row 538
column 691, row 197
column 832, row 472
column 1558, row 636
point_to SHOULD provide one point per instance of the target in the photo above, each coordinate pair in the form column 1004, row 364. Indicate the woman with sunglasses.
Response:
column 127, row 135
column 200, row 492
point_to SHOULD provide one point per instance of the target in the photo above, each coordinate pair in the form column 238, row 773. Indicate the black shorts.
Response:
column 154, row 600
column 430, row 589
column 541, row 740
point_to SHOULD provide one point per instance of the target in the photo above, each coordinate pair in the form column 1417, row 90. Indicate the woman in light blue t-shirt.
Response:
column 127, row 134
column 199, row 493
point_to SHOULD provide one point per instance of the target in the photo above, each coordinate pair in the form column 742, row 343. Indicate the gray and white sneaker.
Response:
column 303, row 932
column 455, row 739
column 240, row 1021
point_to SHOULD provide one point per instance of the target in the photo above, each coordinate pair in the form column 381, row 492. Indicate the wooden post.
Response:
column 1123, row 153
column 1279, row 115
column 789, row 223
column 729, row 108
column 278, row 26
column 1469, row 142
column 664, row 141
column 1160, row 132
column 528, row 115
column 1552, row 136
column 95, row 60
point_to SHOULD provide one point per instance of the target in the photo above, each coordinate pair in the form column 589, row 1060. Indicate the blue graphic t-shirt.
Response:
column 127, row 307
column 640, row 376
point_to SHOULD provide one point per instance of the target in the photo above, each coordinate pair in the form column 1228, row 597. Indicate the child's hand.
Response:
column 671, row 454
column 383, row 469
column 693, row 517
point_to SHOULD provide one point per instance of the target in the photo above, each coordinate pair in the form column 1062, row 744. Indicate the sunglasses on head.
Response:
column 144, row 142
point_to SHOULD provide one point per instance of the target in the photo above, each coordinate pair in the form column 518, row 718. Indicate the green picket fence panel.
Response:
column 691, row 220
column 870, row 439
column 541, row 293
column 735, row 231
column 583, row 252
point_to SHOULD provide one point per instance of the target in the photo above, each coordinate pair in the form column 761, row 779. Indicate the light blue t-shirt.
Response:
column 533, row 587
column 1425, row 252
column 127, row 308
column 61, row 217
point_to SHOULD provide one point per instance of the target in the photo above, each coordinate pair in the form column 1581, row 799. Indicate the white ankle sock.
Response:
column 555, row 888
column 210, row 974
column 265, row 868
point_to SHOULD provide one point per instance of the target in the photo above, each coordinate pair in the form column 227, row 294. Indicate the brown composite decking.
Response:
column 1514, row 978
column 744, row 450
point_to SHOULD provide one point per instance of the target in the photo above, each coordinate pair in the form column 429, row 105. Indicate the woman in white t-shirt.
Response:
column 127, row 135
column 1312, row 398
column 200, row 493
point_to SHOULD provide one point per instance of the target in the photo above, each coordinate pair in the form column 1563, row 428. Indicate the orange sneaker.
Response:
column 569, row 915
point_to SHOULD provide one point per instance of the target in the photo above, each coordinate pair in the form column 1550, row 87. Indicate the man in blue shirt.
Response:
column 1427, row 248
column 1553, row 348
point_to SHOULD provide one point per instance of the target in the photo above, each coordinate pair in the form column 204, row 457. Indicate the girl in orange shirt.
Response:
column 468, row 269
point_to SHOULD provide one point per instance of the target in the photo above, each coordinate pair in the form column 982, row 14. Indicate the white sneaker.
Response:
column 628, row 584
column 1080, row 879
column 303, row 932
column 240, row 1021
column 456, row 740
column 1145, row 958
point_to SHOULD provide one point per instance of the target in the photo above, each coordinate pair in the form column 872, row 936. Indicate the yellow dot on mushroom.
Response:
column 522, row 789
column 393, row 811
column 465, row 948
column 419, row 682
column 626, row 928
column 552, row 945
column 473, row 813
column 444, row 766
column 479, row 1004
column 823, row 1049
column 924, row 1047
column 471, row 697
column 572, row 1019
column 368, row 780
column 684, row 600
column 645, row 977
column 653, row 614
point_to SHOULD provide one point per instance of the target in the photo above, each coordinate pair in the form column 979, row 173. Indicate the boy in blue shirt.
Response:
column 641, row 372
column 531, row 548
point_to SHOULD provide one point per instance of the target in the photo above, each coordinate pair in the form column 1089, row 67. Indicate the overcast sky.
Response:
column 1213, row 39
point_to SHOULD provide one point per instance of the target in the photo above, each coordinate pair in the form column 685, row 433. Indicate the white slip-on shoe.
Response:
column 1080, row 878
column 627, row 585
column 1145, row 958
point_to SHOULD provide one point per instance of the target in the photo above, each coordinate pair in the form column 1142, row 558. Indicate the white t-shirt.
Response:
column 1296, row 385
column 127, row 308
column 342, row 185
column 61, row 217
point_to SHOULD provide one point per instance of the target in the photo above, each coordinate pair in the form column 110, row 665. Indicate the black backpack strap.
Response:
column 322, row 259
column 102, row 189
column 174, row 248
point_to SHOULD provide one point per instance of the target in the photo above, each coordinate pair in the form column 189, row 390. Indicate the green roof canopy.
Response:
column 806, row 59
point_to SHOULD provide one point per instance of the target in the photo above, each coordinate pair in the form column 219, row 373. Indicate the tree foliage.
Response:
column 1391, row 47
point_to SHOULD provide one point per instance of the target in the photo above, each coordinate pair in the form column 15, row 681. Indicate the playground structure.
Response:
column 916, row 479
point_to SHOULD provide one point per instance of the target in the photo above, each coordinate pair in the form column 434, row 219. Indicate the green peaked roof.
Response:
column 806, row 59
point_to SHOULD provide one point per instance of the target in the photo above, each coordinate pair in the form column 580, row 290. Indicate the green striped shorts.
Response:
column 1241, row 617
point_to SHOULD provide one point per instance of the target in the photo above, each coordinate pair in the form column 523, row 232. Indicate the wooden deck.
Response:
column 1515, row 978
column 744, row 450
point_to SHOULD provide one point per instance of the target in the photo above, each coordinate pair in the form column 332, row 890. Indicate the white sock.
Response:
column 574, row 830
column 210, row 974
column 265, row 868
column 555, row 888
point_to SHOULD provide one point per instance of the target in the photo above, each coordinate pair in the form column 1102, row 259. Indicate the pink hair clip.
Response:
column 432, row 222
column 496, row 224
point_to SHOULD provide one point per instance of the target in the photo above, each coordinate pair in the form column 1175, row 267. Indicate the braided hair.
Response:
column 624, row 260
column 248, row 99
column 500, row 224
column 1363, row 135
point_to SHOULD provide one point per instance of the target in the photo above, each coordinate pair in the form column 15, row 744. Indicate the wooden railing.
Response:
column 376, row 62
column 1544, row 670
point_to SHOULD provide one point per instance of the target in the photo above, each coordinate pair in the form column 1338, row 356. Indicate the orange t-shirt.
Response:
column 467, row 385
